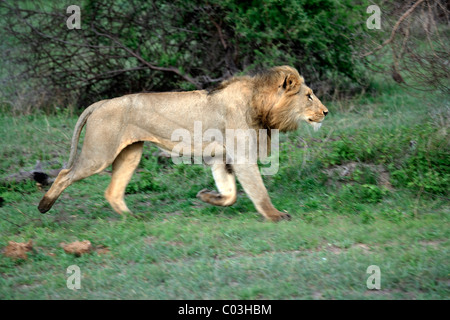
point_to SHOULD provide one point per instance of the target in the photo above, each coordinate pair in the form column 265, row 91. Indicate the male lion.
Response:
column 117, row 128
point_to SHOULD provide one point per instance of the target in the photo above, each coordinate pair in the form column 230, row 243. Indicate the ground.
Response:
column 357, row 192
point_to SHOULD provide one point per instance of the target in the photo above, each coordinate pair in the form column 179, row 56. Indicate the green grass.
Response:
column 181, row 248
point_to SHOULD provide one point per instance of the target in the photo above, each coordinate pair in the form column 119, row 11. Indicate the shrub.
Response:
column 427, row 170
column 362, row 193
column 131, row 46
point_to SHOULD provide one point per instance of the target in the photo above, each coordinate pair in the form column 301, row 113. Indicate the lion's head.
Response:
column 281, row 100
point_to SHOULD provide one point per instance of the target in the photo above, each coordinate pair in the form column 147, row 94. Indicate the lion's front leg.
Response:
column 250, row 179
column 226, row 184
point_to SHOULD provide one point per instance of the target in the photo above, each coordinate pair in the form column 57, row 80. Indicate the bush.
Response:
column 417, row 157
column 132, row 46
column 427, row 170
column 146, row 182
column 362, row 193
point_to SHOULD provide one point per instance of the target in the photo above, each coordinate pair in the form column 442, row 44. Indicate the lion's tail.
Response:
column 77, row 132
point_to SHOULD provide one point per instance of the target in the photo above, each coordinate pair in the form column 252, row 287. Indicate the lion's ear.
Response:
column 291, row 83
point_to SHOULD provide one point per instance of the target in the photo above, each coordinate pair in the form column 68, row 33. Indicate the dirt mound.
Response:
column 78, row 247
column 18, row 250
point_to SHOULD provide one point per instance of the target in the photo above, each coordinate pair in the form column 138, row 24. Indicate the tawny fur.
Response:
column 117, row 128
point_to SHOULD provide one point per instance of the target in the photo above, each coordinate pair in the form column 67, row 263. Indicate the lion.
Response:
column 117, row 128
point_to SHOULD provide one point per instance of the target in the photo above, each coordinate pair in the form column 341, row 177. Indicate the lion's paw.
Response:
column 280, row 216
column 203, row 191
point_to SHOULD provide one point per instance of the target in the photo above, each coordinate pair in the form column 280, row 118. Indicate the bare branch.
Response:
column 145, row 62
column 394, row 29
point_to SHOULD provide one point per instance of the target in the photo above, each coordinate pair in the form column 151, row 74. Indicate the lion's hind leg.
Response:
column 90, row 161
column 123, row 168
column 61, row 182
column 226, row 183
column 82, row 168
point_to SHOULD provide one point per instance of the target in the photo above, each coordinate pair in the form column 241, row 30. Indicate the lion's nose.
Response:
column 325, row 113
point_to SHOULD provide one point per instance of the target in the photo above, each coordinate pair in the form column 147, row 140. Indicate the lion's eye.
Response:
column 309, row 96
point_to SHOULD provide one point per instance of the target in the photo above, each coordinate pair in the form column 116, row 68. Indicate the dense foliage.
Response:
column 132, row 46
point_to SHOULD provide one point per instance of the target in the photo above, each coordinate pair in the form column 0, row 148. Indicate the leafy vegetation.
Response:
column 191, row 45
